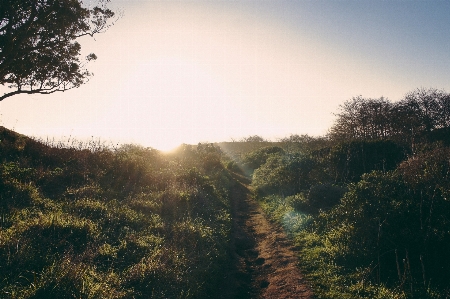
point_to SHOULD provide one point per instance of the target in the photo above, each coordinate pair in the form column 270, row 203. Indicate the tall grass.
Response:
column 84, row 220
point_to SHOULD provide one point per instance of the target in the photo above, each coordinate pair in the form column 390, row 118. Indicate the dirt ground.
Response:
column 265, row 262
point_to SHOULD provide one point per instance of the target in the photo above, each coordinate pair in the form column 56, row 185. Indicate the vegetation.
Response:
column 370, row 208
column 38, row 48
column 422, row 115
column 367, row 206
column 102, row 223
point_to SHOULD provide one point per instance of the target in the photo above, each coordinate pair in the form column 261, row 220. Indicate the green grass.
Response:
column 327, row 254
column 90, row 221
column 319, row 253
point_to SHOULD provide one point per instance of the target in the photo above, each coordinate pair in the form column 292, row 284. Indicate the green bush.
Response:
column 257, row 158
column 368, row 225
column 351, row 159
column 285, row 175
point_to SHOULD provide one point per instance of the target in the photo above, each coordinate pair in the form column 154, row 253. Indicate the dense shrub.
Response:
column 255, row 159
column 284, row 174
column 368, row 221
column 350, row 160
column 324, row 196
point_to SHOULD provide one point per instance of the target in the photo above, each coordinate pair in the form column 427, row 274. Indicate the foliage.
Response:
column 386, row 238
column 396, row 231
column 369, row 213
column 255, row 159
column 322, row 197
column 123, row 223
column 286, row 175
column 284, row 210
column 352, row 159
column 38, row 48
column 369, row 210
column 362, row 118
column 254, row 138
column 303, row 143
column 408, row 121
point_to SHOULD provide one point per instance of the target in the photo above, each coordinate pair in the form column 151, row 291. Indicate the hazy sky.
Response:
column 172, row 72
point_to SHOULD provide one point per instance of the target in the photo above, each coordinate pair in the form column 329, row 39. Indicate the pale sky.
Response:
column 172, row 72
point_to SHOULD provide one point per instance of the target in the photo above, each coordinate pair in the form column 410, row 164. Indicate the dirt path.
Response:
column 265, row 262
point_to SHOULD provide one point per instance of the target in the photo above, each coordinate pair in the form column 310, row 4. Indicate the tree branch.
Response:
column 38, row 91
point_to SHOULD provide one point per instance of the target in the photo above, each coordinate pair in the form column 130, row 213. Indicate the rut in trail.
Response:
column 265, row 263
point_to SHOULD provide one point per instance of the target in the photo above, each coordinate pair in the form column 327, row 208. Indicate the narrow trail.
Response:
column 265, row 263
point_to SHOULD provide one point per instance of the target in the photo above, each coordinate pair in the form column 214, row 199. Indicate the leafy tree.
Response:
column 379, row 214
column 38, row 48
column 409, row 121
column 305, row 138
column 254, row 138
column 362, row 118
column 432, row 107
column 420, row 114
column 428, row 175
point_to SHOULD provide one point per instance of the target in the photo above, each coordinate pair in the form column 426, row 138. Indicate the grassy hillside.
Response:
column 102, row 223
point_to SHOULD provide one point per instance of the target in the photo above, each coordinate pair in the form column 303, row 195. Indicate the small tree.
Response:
column 254, row 138
column 38, row 48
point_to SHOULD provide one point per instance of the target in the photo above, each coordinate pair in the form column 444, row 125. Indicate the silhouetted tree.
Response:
column 408, row 121
column 254, row 138
column 38, row 48
column 304, row 138
column 420, row 112
column 362, row 118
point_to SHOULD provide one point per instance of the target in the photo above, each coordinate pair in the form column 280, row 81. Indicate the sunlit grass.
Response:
column 89, row 220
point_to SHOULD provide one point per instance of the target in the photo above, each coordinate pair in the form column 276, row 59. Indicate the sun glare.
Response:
column 189, row 72
column 199, row 79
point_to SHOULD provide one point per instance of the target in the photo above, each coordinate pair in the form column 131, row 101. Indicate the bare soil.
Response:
column 264, row 264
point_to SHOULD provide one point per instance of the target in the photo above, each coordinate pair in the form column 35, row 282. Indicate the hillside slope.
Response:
column 101, row 223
